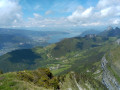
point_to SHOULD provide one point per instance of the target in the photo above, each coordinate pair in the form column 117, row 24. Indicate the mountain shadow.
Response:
column 26, row 56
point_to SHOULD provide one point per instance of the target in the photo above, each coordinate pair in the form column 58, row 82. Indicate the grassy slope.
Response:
column 42, row 79
column 84, row 81
column 76, row 44
column 113, row 58
column 84, row 61
column 9, row 81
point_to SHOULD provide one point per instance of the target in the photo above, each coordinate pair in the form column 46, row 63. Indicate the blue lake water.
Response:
column 59, row 37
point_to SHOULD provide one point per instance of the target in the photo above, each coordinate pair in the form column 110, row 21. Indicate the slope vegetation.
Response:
column 42, row 79
column 76, row 54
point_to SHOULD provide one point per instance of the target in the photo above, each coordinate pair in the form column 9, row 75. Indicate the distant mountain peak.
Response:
column 90, row 35
column 109, row 28
column 111, row 32
column 117, row 28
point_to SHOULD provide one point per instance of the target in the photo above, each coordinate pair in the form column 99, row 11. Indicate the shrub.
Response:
column 1, row 72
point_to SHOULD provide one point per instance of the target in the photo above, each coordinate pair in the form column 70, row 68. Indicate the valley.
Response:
column 76, row 59
column 24, row 39
column 60, row 45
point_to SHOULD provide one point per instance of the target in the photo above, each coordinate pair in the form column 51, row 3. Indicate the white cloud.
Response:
column 87, row 13
column 103, row 12
column 107, row 3
column 37, row 7
column 10, row 12
column 106, row 12
column 37, row 15
column 91, row 24
column 81, row 15
column 39, row 21
column 116, row 21
column 48, row 12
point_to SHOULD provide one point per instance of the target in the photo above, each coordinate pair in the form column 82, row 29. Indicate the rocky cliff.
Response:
column 108, row 78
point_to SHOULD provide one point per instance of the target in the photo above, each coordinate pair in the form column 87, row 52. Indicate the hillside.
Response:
column 77, row 44
column 111, row 68
column 75, row 59
column 42, row 79
column 82, row 52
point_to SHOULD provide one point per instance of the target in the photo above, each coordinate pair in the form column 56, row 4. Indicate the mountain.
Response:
column 111, row 68
column 76, row 44
column 69, row 54
column 89, row 32
column 77, row 63
column 111, row 32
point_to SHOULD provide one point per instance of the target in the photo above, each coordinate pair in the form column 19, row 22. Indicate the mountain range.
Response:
column 79, row 63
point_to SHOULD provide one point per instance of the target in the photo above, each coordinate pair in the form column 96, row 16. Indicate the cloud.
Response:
column 105, row 12
column 10, row 12
column 37, row 16
column 80, row 14
column 37, row 7
column 40, row 21
column 64, row 6
column 107, row 3
column 91, row 24
column 116, row 21
column 102, row 13
column 48, row 12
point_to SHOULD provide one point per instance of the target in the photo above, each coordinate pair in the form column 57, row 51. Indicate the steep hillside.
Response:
column 110, row 69
column 115, row 60
column 42, row 79
column 77, row 44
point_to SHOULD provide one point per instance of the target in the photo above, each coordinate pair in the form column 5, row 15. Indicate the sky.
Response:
column 59, row 13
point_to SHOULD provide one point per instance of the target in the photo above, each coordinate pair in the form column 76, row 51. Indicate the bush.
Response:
column 1, row 72
column 40, row 77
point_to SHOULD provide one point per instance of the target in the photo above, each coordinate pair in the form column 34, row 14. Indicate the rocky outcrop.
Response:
column 118, row 41
column 75, row 81
column 107, row 78
column 78, row 85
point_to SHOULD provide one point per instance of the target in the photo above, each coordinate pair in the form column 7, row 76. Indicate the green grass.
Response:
column 40, row 79
column 56, row 72
column 85, row 81
column 9, row 81
column 79, row 53
column 113, row 58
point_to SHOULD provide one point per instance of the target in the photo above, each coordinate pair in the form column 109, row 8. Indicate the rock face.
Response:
column 90, row 35
column 107, row 78
column 110, row 32
column 118, row 41
column 74, row 81
column 109, row 28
